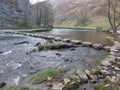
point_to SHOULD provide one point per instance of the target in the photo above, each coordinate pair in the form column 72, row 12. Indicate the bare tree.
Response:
column 113, row 13
column 44, row 14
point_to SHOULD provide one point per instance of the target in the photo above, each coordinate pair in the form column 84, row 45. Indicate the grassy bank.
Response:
column 91, row 26
column 77, row 28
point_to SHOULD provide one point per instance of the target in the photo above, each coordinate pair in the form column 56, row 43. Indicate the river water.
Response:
column 83, row 35
column 16, row 66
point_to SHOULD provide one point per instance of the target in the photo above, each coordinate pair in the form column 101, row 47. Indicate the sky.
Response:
column 34, row 1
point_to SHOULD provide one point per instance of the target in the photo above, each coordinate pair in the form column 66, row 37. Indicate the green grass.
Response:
column 19, row 88
column 76, row 27
column 112, row 85
column 42, row 76
column 87, row 27
column 99, row 24
column 75, row 72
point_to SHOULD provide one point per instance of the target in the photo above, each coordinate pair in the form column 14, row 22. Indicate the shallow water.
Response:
column 18, row 64
column 83, row 35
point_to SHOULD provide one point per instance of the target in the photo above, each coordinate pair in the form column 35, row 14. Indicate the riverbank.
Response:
column 77, row 28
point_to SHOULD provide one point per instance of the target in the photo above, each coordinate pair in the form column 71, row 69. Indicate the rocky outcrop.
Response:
column 14, row 13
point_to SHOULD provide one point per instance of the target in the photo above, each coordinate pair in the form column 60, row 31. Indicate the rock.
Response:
column 87, row 73
column 67, row 59
column 24, row 42
column 72, row 49
column 117, row 68
column 38, row 44
column 107, row 85
column 110, row 38
column 66, row 81
column 2, row 84
column 107, row 48
column 106, row 62
column 77, row 42
column 66, row 40
column 82, row 75
column 118, row 77
column 58, row 54
column 57, row 38
column 58, row 86
column 75, row 78
column 87, row 44
column 50, row 37
column 105, row 73
column 117, row 59
column 49, row 78
column 97, row 46
column 1, row 52
column 71, row 86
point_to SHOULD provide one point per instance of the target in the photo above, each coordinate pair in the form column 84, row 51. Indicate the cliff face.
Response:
column 15, row 13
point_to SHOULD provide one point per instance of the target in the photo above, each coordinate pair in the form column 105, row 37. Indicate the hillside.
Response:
column 79, row 13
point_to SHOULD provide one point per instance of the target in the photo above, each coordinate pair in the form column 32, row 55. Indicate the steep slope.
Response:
column 16, row 13
column 78, row 12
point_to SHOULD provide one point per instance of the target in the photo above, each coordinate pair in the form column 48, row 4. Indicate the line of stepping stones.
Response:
column 75, row 42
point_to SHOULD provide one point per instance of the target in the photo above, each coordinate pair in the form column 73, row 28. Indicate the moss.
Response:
column 42, row 76
column 40, row 47
column 111, row 42
column 71, row 86
column 75, row 72
column 33, row 50
column 112, row 86
column 19, row 88
column 95, row 72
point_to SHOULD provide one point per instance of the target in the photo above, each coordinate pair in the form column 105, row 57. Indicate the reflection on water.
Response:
column 91, row 36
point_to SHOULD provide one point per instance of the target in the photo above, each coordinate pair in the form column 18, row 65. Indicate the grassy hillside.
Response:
column 73, row 13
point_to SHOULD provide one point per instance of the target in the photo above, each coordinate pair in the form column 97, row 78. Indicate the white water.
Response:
column 7, row 52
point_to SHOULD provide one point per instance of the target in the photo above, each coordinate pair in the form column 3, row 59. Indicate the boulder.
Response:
column 50, row 37
column 2, row 84
column 87, row 73
column 57, row 38
column 87, row 44
column 106, row 63
column 58, row 86
column 77, row 42
column 97, row 46
column 75, row 78
column 66, row 81
column 82, row 75
column 49, row 78
column 66, row 40
column 105, row 73
column 107, row 48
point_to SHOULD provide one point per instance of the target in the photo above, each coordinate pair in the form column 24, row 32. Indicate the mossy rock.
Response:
column 106, row 85
column 72, row 86
column 42, row 76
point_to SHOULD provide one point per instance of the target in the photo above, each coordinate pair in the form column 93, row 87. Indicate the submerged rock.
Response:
column 2, row 84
